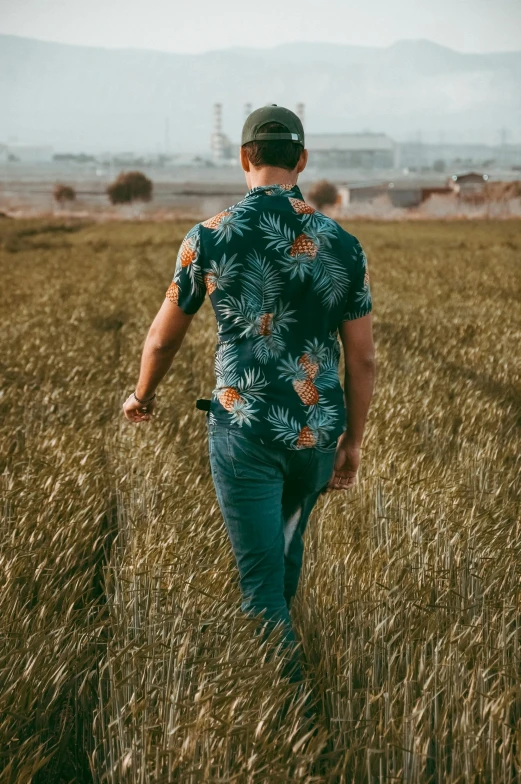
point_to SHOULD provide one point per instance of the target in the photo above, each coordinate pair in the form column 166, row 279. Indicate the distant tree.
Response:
column 128, row 187
column 323, row 193
column 63, row 193
column 439, row 165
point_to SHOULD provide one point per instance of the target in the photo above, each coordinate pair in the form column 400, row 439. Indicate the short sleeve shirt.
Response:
column 281, row 277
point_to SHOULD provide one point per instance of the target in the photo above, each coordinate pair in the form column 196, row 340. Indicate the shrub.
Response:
column 323, row 193
column 130, row 186
column 63, row 193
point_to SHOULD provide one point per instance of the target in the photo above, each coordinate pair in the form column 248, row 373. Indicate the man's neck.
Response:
column 270, row 175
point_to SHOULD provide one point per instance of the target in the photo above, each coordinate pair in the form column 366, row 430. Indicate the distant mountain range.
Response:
column 79, row 98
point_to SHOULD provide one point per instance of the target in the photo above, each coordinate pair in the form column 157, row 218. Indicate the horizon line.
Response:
column 238, row 47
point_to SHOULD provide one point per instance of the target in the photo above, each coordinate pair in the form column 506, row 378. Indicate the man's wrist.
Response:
column 350, row 442
column 144, row 395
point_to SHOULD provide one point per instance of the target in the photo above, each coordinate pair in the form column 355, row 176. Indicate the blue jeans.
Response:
column 266, row 494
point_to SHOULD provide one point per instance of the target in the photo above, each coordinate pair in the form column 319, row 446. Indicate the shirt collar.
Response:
column 278, row 189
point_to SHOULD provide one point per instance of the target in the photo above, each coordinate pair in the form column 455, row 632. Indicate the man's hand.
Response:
column 347, row 461
column 138, row 412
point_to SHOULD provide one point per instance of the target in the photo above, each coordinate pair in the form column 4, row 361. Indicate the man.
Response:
column 284, row 281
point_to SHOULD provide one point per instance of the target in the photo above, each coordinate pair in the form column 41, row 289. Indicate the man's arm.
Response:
column 360, row 372
column 162, row 343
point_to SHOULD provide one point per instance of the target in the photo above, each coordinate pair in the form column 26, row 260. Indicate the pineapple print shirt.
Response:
column 280, row 276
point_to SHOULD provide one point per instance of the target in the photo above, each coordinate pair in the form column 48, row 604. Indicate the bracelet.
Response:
column 144, row 401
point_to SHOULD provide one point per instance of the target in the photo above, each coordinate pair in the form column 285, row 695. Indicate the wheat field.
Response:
column 124, row 655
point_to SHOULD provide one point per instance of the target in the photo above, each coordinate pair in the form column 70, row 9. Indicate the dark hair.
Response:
column 280, row 152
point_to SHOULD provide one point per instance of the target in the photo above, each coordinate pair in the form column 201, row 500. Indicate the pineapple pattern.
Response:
column 237, row 392
column 188, row 272
column 220, row 273
column 281, row 277
column 293, row 371
column 300, row 207
column 309, row 253
column 279, row 190
column 304, row 246
column 172, row 292
column 187, row 252
column 226, row 223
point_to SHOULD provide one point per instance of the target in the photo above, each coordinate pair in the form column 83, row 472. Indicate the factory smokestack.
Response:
column 300, row 112
column 247, row 109
column 217, row 117
column 217, row 136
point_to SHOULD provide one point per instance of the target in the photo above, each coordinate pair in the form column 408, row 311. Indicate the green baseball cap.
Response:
column 252, row 129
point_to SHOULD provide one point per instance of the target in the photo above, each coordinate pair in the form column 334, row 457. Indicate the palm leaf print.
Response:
column 226, row 365
column 262, row 283
column 327, row 379
column 249, row 202
column 286, row 427
column 256, row 312
column 291, row 370
column 221, row 272
column 241, row 313
column 282, row 316
column 237, row 393
column 279, row 237
column 232, row 222
column 248, row 389
column 242, row 412
column 327, row 376
column 297, row 265
column 195, row 274
column 362, row 256
column 330, row 279
column 316, row 351
column 252, row 383
column 268, row 347
column 321, row 421
column 319, row 227
column 364, row 295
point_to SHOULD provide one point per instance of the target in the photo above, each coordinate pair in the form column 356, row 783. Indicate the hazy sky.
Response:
column 200, row 25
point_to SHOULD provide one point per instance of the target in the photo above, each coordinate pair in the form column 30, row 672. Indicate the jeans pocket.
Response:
column 250, row 460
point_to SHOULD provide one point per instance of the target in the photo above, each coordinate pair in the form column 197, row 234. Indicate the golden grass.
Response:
column 124, row 655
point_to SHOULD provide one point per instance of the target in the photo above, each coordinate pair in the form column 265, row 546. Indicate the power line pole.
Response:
column 167, row 136
column 503, row 152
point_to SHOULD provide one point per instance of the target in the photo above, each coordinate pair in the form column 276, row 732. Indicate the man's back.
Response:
column 281, row 277
column 285, row 282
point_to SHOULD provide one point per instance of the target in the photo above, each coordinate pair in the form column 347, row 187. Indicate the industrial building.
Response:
column 352, row 151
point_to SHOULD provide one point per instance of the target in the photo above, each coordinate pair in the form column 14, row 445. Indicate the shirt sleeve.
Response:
column 358, row 302
column 187, row 288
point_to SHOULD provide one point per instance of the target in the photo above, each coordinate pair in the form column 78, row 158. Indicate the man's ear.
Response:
column 301, row 165
column 245, row 161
